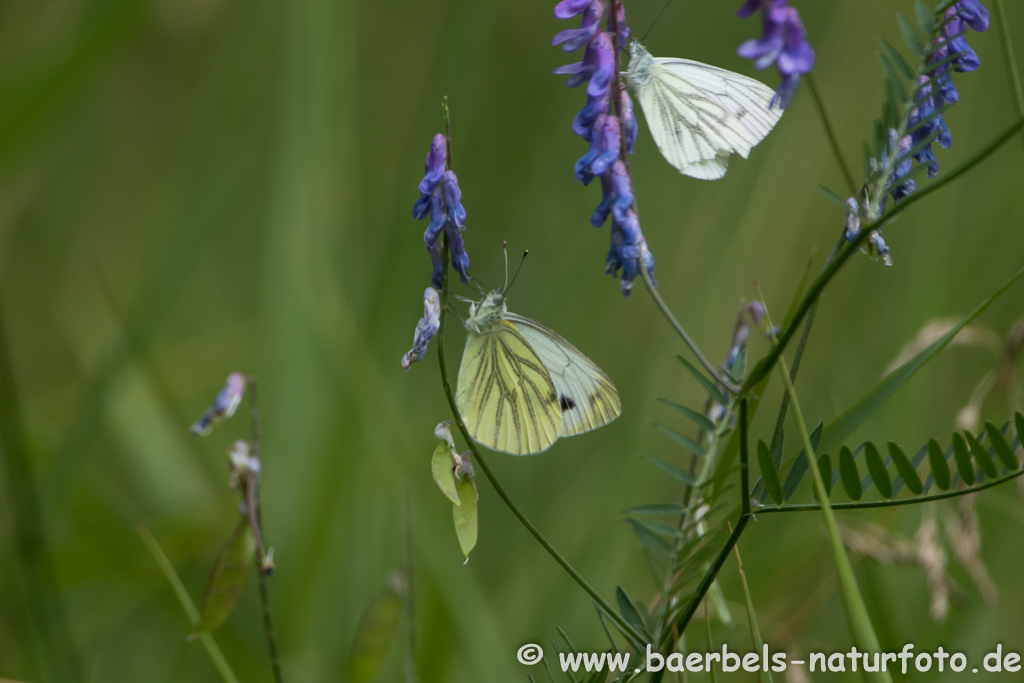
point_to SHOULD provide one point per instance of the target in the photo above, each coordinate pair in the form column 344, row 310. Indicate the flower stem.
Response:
column 830, row 133
column 856, row 612
column 206, row 638
column 260, row 557
column 478, row 459
column 844, row 254
column 1011, row 58
column 720, row 377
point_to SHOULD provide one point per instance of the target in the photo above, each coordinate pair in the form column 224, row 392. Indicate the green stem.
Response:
column 261, row 559
column 890, row 503
column 1011, row 58
column 206, row 638
column 755, row 630
column 711, row 574
column 830, row 133
column 856, row 611
column 48, row 626
column 721, row 377
column 829, row 272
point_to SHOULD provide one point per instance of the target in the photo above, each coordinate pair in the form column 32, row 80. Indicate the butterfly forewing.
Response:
column 505, row 394
column 699, row 114
column 586, row 396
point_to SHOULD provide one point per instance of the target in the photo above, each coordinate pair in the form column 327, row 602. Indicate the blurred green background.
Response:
column 192, row 187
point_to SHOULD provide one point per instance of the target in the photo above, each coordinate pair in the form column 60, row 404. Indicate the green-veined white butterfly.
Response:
column 699, row 114
column 522, row 386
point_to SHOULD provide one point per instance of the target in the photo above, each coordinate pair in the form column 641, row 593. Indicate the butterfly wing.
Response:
column 505, row 395
column 586, row 397
column 699, row 114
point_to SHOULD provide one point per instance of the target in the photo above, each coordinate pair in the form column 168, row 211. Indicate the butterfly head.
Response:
column 487, row 312
column 641, row 64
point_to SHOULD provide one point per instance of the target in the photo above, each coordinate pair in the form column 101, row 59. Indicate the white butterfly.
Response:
column 699, row 114
column 522, row 386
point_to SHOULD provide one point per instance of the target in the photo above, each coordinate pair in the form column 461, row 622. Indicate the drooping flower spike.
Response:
column 224, row 406
column 598, row 124
column 426, row 328
column 783, row 43
column 925, row 124
column 441, row 199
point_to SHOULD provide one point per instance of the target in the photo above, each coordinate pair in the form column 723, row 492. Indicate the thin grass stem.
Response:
column 830, row 133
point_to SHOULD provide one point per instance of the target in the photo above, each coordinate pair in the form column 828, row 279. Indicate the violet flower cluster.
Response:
column 224, row 406
column 598, row 124
column 936, row 90
column 441, row 198
column 783, row 43
column 926, row 124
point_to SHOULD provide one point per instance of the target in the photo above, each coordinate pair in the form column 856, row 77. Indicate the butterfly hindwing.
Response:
column 505, row 394
column 699, row 114
column 586, row 396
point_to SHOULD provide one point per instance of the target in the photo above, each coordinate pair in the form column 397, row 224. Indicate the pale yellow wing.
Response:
column 505, row 395
column 586, row 395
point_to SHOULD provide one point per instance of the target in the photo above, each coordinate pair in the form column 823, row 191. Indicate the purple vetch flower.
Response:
column 426, row 328
column 898, row 187
column 953, row 53
column 852, row 219
column 607, row 128
column 224, row 406
column 783, row 42
column 441, row 199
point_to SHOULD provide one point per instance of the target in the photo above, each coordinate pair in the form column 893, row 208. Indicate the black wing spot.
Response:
column 567, row 403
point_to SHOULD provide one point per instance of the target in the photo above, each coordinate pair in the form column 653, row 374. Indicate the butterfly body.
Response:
column 522, row 386
column 700, row 114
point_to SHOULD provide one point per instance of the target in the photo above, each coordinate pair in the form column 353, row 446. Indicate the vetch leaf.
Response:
column 897, row 60
column 877, row 471
column 832, row 197
column 925, row 17
column 849, row 474
column 465, row 516
column 1002, row 447
column 981, row 456
column 376, row 630
column 697, row 418
column 708, row 384
column 898, row 91
column 684, row 441
column 799, row 468
column 1018, row 421
column 938, row 464
column 963, row 459
column 628, row 609
column 907, row 471
column 769, row 475
column 910, row 36
column 739, row 367
column 680, row 474
column 441, row 467
column 227, row 578
column 652, row 542
column 825, row 469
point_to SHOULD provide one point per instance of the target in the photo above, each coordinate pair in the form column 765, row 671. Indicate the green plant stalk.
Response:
column 48, row 628
column 257, row 517
column 1011, row 59
column 755, row 630
column 712, row 573
column 206, row 638
column 829, row 272
column 856, row 611
column 446, row 384
column 891, row 503
column 498, row 488
column 720, row 377
column 830, row 133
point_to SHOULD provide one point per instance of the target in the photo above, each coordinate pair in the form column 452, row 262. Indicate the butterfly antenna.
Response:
column 504, row 248
column 453, row 311
column 527, row 251
column 663, row 8
column 478, row 285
